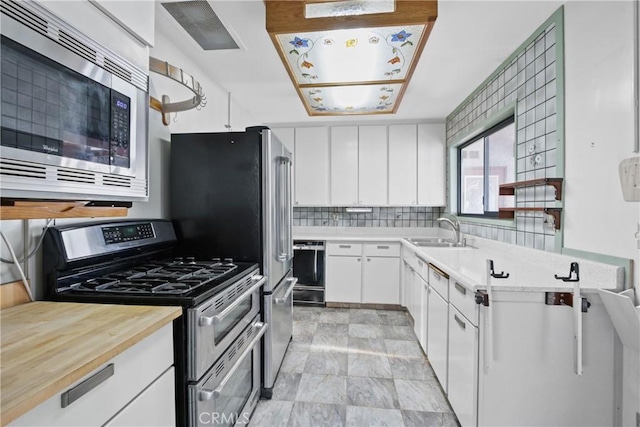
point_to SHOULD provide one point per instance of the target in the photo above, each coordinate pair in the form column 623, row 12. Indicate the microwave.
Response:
column 74, row 117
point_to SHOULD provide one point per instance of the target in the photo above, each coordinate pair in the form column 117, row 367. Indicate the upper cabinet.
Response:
column 344, row 165
column 311, row 166
column 395, row 165
column 431, row 165
column 372, row 166
column 403, row 165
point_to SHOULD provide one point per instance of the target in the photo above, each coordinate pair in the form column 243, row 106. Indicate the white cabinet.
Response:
column 154, row 407
column 437, row 335
column 407, row 280
column 363, row 273
column 420, row 297
column 403, row 165
column 137, row 17
column 372, row 170
column 99, row 396
column 343, row 279
column 344, row 165
column 431, row 165
column 463, row 367
column 312, row 166
column 380, row 280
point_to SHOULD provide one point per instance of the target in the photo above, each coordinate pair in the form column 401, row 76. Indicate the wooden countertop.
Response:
column 47, row 346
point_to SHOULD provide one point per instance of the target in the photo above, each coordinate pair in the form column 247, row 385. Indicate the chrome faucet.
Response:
column 455, row 227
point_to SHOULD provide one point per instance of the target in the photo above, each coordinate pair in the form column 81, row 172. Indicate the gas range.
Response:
column 135, row 262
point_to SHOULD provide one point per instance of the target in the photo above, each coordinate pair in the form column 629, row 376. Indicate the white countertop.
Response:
column 530, row 270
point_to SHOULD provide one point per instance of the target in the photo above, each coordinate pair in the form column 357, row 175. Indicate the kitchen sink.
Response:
column 434, row 242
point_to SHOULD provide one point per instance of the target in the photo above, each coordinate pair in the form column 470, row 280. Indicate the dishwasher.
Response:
column 308, row 267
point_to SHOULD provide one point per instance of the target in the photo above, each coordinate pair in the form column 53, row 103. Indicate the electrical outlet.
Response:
column 335, row 216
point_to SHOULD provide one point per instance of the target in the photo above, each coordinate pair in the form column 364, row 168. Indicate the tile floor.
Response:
column 354, row 367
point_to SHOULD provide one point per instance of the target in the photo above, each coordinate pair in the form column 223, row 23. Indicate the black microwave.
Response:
column 74, row 114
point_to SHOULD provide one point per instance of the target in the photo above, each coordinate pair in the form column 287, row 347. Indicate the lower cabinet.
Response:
column 119, row 391
column 437, row 334
column 363, row 273
column 343, row 278
column 155, row 406
column 463, row 368
column 421, row 288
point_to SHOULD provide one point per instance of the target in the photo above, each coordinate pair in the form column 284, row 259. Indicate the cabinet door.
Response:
column 155, row 406
column 381, row 280
column 403, row 164
column 138, row 17
column 344, row 165
column 418, row 288
column 372, row 169
column 312, row 166
column 431, row 165
column 437, row 334
column 288, row 137
column 422, row 338
column 343, row 279
column 463, row 368
column 407, row 278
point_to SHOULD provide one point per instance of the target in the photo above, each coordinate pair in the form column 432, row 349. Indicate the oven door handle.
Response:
column 214, row 394
column 213, row 320
column 282, row 300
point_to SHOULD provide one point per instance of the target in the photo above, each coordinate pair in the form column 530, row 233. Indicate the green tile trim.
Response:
column 509, row 110
column 560, row 116
column 606, row 259
column 557, row 17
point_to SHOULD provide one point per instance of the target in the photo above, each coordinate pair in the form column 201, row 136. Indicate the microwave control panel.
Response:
column 127, row 233
column 120, row 117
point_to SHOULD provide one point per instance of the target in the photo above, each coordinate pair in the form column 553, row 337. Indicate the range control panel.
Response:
column 127, row 233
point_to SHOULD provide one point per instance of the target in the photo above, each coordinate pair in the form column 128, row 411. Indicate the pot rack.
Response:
column 176, row 74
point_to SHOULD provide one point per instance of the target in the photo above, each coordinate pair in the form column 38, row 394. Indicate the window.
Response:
column 485, row 162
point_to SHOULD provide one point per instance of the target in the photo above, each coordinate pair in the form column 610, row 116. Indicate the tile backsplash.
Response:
column 531, row 83
column 378, row 217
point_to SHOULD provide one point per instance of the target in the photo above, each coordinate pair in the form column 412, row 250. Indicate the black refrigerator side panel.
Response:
column 216, row 195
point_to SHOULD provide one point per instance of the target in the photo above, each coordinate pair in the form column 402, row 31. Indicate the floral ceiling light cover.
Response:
column 374, row 62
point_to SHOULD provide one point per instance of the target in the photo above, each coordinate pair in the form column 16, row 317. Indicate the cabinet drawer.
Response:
column 346, row 248
column 422, row 268
column 464, row 300
column 382, row 249
column 439, row 281
column 113, row 386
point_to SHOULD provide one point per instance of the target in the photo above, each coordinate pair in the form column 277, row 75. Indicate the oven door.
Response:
column 214, row 324
column 229, row 392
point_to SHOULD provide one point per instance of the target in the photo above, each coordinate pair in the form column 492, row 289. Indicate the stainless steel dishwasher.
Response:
column 308, row 267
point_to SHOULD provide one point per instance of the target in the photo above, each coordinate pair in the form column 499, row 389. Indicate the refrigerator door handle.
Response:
column 281, row 250
column 289, row 208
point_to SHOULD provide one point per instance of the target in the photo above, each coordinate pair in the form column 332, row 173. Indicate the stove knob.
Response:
column 228, row 260
column 191, row 260
column 215, row 260
column 177, row 260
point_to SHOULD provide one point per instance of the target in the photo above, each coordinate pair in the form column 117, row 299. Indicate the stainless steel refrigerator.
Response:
column 230, row 197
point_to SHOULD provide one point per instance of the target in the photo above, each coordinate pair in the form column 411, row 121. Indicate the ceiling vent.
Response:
column 202, row 24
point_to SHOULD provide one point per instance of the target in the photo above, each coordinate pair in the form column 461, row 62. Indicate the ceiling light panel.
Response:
column 357, row 99
column 353, row 55
column 348, row 8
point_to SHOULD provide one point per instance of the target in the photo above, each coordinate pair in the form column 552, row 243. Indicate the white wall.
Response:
column 214, row 116
column 599, row 134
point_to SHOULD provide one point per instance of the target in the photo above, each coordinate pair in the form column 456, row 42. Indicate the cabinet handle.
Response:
column 344, row 246
column 460, row 322
column 382, row 247
column 461, row 288
column 358, row 259
column 368, row 259
column 75, row 393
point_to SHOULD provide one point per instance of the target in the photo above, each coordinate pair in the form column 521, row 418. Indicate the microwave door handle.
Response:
column 214, row 394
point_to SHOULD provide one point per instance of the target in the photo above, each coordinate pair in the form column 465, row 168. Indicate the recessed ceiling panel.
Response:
column 360, row 99
column 351, row 56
